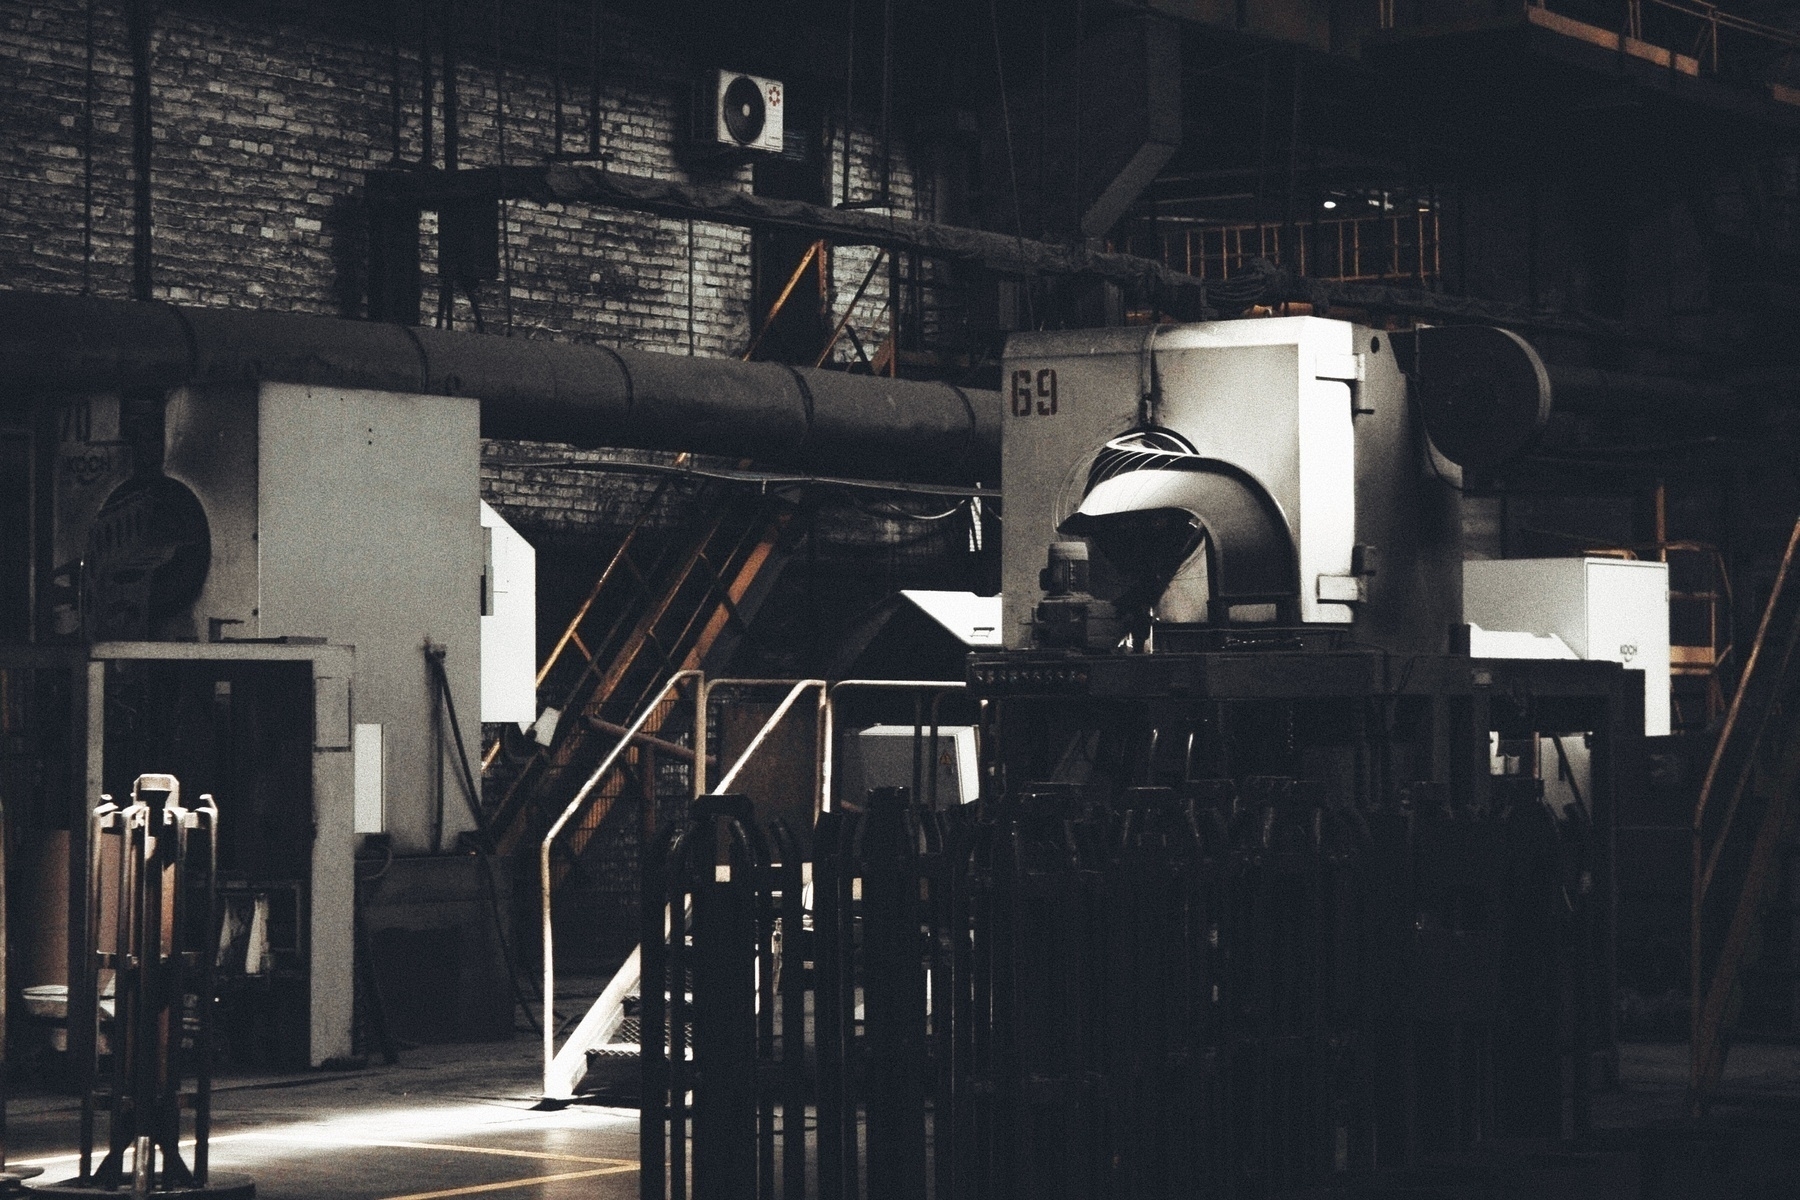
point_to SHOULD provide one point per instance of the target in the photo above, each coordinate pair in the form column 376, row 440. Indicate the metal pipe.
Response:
column 587, row 396
column 828, row 731
column 1587, row 389
column 568, row 814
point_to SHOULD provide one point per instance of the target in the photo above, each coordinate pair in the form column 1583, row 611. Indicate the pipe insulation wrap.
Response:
column 588, row 396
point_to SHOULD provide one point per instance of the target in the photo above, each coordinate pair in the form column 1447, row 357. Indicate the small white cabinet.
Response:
column 1605, row 609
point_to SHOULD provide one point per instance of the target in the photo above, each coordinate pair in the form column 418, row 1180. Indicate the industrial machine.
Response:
column 285, row 595
column 1221, row 481
column 1235, row 659
column 1262, row 893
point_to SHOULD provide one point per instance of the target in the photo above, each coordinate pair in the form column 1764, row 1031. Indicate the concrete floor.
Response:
column 445, row 1121
column 460, row 1121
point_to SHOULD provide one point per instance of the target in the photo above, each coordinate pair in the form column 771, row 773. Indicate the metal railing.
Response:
column 1709, row 20
column 1761, row 713
column 1391, row 246
column 568, row 814
column 563, row 1069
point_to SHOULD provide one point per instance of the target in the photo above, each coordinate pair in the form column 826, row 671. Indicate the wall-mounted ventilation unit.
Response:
column 747, row 112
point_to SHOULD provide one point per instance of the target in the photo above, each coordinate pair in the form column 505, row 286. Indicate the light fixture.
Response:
column 1331, row 204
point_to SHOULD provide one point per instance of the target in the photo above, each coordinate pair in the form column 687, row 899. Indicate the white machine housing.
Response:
column 351, row 516
column 1306, row 416
column 1603, row 609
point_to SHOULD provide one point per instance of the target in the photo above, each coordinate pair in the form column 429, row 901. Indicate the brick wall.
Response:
column 267, row 122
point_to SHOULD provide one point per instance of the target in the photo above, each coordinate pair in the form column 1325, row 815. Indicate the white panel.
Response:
column 1529, row 595
column 883, row 757
column 369, row 535
column 369, row 811
column 1628, row 622
column 1327, row 516
column 973, row 620
column 509, row 633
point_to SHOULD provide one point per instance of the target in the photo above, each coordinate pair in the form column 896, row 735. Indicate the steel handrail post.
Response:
column 828, row 733
column 568, row 814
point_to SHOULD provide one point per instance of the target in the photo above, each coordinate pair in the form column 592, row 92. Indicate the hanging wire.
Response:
column 849, row 97
column 506, row 302
column 1012, row 165
column 396, row 106
column 556, row 76
column 1080, row 35
column 1012, row 162
column 887, row 103
column 593, row 132
column 87, row 162
column 884, row 509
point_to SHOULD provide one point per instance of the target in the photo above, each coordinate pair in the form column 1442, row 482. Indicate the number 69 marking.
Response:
column 1034, row 394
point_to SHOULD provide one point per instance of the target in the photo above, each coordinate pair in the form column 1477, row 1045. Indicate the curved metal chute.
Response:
column 1152, row 503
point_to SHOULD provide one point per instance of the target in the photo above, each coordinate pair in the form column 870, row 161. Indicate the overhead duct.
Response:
column 790, row 417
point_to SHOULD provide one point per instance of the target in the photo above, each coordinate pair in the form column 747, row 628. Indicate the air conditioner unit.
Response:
column 747, row 112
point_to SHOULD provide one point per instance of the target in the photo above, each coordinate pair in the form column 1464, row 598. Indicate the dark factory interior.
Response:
column 900, row 599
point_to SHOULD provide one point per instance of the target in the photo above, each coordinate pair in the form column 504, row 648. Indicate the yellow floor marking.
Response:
column 504, row 1184
column 610, row 1163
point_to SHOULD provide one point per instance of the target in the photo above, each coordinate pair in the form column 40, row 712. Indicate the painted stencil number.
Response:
column 1034, row 393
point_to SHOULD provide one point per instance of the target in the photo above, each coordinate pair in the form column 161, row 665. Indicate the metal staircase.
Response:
column 1750, row 783
column 664, row 603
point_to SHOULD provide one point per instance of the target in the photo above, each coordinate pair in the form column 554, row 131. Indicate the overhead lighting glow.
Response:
column 1331, row 204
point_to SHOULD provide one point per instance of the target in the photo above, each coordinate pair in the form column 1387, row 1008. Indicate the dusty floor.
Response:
column 460, row 1121
column 445, row 1121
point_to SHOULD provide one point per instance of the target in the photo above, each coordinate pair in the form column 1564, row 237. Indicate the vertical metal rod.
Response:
column 209, row 817
column 452, row 133
column 918, row 747
column 762, row 884
column 86, row 1069
column 682, row 885
column 87, row 157
column 793, row 1016
column 654, row 929
column 849, row 96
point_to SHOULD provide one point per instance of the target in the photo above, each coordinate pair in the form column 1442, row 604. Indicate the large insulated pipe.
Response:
column 788, row 417
column 1486, row 396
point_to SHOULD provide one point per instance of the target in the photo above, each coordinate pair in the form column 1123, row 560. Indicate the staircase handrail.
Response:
column 574, row 807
